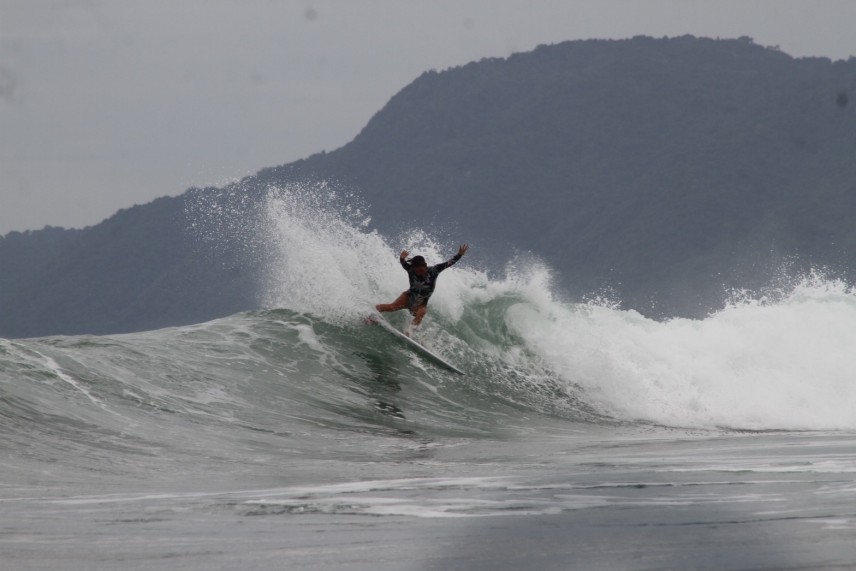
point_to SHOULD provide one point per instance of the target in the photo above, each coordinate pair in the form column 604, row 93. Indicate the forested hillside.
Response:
column 662, row 170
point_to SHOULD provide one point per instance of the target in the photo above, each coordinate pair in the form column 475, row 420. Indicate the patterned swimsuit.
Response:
column 421, row 287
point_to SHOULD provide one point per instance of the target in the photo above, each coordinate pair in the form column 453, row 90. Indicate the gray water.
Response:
column 278, row 440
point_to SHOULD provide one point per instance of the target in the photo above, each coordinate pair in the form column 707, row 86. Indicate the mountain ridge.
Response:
column 665, row 171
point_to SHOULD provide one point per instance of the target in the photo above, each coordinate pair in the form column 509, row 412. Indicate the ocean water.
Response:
column 583, row 436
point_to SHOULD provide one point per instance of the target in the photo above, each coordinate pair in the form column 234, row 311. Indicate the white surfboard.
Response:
column 420, row 348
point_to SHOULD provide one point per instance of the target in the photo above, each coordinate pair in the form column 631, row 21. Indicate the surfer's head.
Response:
column 418, row 264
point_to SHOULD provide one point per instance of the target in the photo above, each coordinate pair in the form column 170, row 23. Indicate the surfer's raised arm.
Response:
column 461, row 251
column 423, row 279
column 451, row 262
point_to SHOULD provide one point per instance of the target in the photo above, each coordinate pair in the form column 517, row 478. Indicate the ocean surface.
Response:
column 582, row 436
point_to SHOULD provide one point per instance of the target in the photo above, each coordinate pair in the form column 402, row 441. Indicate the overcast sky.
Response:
column 106, row 104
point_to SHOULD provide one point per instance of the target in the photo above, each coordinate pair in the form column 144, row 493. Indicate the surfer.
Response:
column 423, row 279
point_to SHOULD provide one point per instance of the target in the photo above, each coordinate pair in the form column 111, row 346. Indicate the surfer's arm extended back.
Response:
column 449, row 263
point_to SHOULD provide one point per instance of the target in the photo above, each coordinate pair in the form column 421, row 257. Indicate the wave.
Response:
column 310, row 377
column 777, row 360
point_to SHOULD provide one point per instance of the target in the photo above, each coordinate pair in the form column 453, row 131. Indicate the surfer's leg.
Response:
column 418, row 313
column 399, row 303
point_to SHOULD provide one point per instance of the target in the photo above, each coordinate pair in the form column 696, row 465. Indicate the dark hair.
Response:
column 416, row 261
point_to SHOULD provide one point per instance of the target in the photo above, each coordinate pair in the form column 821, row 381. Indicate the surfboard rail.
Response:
column 419, row 347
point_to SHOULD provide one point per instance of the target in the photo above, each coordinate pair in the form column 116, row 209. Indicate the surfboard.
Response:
column 413, row 344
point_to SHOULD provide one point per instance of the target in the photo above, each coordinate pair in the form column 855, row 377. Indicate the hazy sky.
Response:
column 106, row 104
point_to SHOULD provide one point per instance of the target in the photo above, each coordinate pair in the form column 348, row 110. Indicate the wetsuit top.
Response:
column 421, row 287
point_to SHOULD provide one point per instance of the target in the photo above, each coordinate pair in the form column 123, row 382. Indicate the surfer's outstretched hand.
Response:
column 403, row 254
column 463, row 249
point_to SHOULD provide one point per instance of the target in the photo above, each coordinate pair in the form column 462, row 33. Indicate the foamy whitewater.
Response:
column 757, row 364
column 300, row 436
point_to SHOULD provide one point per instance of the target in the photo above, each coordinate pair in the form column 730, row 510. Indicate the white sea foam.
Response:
column 787, row 364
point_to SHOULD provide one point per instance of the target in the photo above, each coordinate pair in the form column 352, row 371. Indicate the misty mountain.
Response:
column 140, row 269
column 661, row 170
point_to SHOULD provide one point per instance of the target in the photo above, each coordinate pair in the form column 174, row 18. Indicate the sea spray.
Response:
column 762, row 365
column 327, row 261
